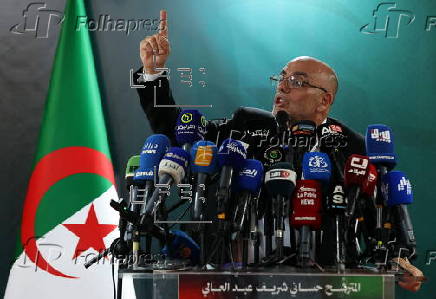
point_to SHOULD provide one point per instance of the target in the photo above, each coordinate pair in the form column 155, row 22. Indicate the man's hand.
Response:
column 413, row 277
column 155, row 49
column 410, row 282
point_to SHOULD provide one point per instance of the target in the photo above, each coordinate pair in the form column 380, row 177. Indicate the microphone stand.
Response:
column 245, row 230
column 380, row 250
column 254, row 234
column 222, row 245
column 118, row 247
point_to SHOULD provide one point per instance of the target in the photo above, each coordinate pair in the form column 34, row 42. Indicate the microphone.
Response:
column 399, row 194
column 283, row 123
column 280, row 182
column 379, row 141
column 369, row 185
column 282, row 118
column 380, row 146
column 127, row 225
column 247, row 185
column 317, row 166
column 306, row 215
column 131, row 167
column 126, row 228
column 249, row 122
column 172, row 169
column 204, row 164
column 154, row 148
column 231, row 156
column 190, row 128
column 356, row 171
column 331, row 139
column 258, row 129
column 366, row 206
column 303, row 133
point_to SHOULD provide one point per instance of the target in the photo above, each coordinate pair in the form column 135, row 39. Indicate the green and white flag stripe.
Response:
column 66, row 214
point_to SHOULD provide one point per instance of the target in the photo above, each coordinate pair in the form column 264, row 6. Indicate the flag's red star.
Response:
column 90, row 233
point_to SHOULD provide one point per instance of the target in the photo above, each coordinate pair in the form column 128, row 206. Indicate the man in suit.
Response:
column 305, row 88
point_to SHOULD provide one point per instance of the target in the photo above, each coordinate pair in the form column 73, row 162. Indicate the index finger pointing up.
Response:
column 163, row 29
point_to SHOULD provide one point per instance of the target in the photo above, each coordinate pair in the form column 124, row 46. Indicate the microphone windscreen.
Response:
column 370, row 182
column 232, row 153
column 204, row 157
column 248, row 122
column 304, row 127
column 174, row 163
column 154, row 148
column 397, row 188
column 280, row 179
column 317, row 166
column 249, row 114
column 331, row 137
column 380, row 145
column 132, row 166
column 282, row 118
column 336, row 200
column 250, row 177
column 306, row 203
column 356, row 169
column 190, row 127
column 272, row 154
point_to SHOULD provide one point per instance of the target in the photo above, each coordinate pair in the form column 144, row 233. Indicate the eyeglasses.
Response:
column 292, row 82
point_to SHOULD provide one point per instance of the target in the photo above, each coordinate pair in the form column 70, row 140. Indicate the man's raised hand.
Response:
column 155, row 49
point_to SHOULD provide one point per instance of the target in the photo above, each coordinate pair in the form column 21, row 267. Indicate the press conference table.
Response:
column 274, row 282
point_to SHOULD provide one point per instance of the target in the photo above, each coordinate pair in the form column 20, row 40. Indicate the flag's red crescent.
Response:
column 52, row 168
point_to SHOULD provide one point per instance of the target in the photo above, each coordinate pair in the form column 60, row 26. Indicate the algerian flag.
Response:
column 66, row 215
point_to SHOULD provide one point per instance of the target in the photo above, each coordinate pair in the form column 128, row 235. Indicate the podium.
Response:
column 281, row 282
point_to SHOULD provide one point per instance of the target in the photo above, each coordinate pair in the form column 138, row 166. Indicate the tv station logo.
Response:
column 388, row 20
column 381, row 136
column 405, row 185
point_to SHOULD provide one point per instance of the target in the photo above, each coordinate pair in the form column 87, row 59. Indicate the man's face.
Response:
column 300, row 103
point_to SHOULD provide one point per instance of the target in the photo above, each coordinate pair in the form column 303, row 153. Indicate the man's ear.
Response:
column 326, row 102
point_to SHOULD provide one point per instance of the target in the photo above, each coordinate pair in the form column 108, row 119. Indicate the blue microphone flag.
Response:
column 317, row 166
column 154, row 148
column 380, row 145
column 190, row 127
